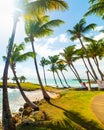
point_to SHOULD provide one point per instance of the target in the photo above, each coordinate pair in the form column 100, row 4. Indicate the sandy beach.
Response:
column 37, row 95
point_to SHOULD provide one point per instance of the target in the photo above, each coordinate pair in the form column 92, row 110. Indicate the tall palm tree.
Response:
column 78, row 33
column 44, row 62
column 53, row 61
column 97, row 8
column 39, row 28
column 81, row 54
column 52, row 69
column 94, row 50
column 62, row 67
column 17, row 56
column 70, row 57
column 23, row 8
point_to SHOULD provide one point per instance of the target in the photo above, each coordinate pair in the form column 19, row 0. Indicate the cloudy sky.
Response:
column 49, row 45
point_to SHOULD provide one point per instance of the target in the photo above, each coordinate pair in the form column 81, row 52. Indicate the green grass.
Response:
column 72, row 111
column 26, row 86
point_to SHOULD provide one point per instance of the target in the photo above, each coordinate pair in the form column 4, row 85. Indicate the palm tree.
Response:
column 70, row 57
column 39, row 28
column 94, row 50
column 44, row 62
column 81, row 54
column 52, row 68
column 16, row 56
column 62, row 67
column 97, row 8
column 53, row 60
column 78, row 33
column 23, row 8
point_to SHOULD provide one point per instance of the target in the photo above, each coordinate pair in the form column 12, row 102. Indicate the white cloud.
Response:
column 46, row 46
column 99, row 36
column 98, row 28
column 63, row 38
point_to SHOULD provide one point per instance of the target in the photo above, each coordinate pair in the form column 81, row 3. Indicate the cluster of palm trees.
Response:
column 38, row 24
column 56, row 64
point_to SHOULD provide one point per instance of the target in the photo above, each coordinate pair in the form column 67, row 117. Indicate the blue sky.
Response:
column 48, row 45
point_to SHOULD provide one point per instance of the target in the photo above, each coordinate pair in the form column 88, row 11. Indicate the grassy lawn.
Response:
column 72, row 111
column 26, row 86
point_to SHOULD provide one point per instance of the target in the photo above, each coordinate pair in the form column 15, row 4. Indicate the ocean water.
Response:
column 71, row 82
column 15, row 99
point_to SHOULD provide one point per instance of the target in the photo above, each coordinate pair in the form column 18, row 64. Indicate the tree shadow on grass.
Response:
column 77, row 120
column 72, row 121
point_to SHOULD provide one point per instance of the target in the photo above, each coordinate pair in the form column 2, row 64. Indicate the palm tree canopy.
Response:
column 17, row 55
column 97, row 8
column 80, row 28
column 70, row 54
column 41, row 27
column 53, row 59
column 44, row 62
column 38, row 7
column 61, row 66
column 96, row 49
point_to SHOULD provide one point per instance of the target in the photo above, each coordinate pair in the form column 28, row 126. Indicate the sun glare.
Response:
column 6, row 8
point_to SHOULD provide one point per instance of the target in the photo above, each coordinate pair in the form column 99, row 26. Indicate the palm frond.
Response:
column 89, row 27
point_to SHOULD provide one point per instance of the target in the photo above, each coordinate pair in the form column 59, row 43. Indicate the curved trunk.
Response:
column 88, row 69
column 65, row 79
column 97, row 65
column 60, row 79
column 89, row 87
column 7, row 121
column 45, row 95
column 44, row 76
column 55, row 79
column 75, row 74
column 88, row 60
column 32, row 105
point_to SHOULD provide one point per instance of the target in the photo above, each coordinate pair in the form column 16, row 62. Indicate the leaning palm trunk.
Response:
column 44, row 76
column 96, row 78
column 46, row 96
column 65, row 79
column 88, row 69
column 89, row 87
column 60, row 79
column 55, row 79
column 75, row 74
column 97, row 65
column 7, row 122
column 32, row 105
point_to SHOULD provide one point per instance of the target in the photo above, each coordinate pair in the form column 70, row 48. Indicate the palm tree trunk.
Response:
column 65, row 79
column 32, row 105
column 75, row 74
column 45, row 95
column 55, row 79
column 60, row 79
column 44, row 76
column 89, row 87
column 88, row 68
column 97, row 65
column 88, row 60
column 7, row 121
